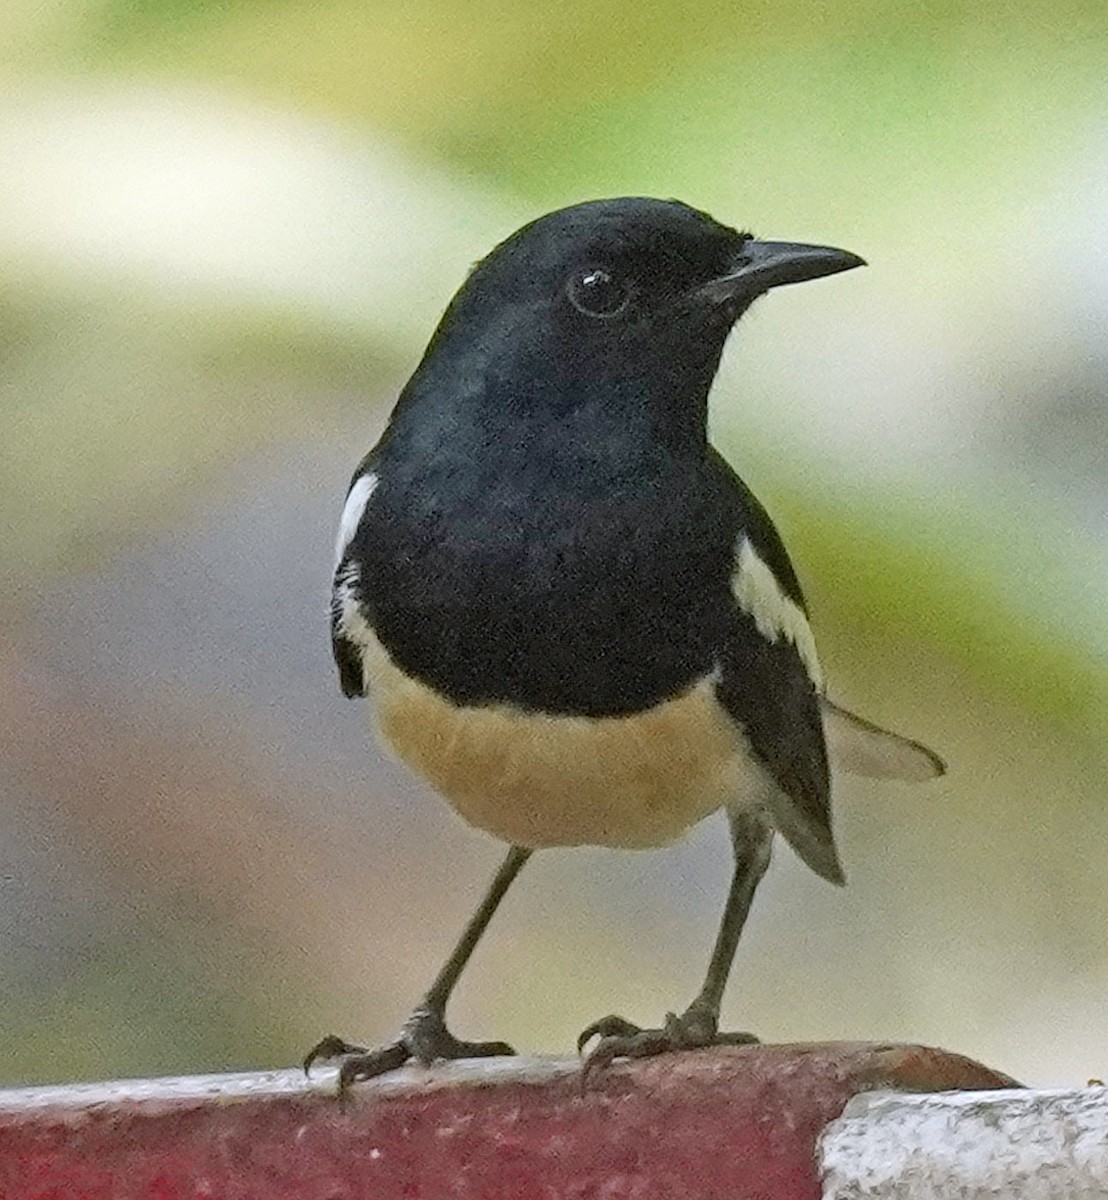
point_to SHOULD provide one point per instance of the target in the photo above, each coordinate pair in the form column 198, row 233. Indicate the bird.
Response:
column 570, row 615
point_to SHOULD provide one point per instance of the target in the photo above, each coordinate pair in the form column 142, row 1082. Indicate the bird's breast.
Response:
column 535, row 779
column 566, row 602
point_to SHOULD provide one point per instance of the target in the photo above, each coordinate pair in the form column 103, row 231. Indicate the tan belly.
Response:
column 537, row 780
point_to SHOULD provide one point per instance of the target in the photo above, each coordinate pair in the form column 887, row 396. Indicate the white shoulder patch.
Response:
column 352, row 512
column 758, row 593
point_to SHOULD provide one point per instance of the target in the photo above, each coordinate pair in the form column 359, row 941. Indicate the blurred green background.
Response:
column 227, row 228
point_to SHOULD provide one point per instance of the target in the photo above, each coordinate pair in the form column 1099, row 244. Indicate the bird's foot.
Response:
column 424, row 1039
column 696, row 1028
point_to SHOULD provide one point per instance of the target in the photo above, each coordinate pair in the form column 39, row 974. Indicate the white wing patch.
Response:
column 348, row 617
column 758, row 593
column 352, row 512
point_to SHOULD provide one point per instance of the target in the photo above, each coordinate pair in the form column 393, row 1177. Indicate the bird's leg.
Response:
column 698, row 1025
column 425, row 1037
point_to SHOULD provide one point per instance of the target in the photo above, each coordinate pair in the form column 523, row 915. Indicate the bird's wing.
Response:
column 770, row 681
column 766, row 689
column 348, row 624
column 772, row 685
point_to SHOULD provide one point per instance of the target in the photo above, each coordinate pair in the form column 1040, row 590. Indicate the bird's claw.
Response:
column 607, row 1027
column 328, row 1048
column 424, row 1039
column 694, row 1029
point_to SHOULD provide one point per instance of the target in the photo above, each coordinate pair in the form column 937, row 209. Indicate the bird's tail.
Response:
column 859, row 747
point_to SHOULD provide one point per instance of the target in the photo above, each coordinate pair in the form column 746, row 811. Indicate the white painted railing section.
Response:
column 1030, row 1145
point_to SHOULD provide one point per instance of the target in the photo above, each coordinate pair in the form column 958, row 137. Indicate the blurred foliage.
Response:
column 99, row 443
column 776, row 111
column 954, row 599
column 170, row 1010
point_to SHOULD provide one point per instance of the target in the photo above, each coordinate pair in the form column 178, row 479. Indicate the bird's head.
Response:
column 620, row 304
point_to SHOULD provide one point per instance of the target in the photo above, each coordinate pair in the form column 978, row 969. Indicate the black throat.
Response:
column 571, row 567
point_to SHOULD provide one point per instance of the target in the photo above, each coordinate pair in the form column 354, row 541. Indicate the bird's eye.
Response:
column 597, row 292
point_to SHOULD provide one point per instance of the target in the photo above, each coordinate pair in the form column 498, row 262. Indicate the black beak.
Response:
column 763, row 265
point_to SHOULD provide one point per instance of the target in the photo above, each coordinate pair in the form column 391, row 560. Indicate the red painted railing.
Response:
column 739, row 1123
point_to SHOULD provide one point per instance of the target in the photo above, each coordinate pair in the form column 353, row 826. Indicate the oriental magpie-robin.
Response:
column 569, row 613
